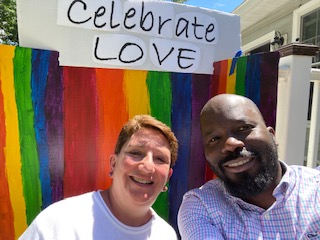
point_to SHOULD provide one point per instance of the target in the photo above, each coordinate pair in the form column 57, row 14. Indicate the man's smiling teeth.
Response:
column 237, row 164
column 140, row 180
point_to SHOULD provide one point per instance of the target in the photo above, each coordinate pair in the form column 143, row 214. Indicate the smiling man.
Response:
column 256, row 196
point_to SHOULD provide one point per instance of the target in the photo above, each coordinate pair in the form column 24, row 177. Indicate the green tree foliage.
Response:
column 179, row 1
column 8, row 22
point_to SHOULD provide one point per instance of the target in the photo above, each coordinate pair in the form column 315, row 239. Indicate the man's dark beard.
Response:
column 248, row 185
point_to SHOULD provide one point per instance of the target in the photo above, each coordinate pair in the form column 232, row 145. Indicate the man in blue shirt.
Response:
column 255, row 196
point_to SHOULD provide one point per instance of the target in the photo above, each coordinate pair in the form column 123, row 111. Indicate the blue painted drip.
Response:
column 181, row 125
column 40, row 62
column 234, row 62
column 253, row 78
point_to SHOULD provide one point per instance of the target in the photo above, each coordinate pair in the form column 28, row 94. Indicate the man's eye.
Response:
column 243, row 128
column 214, row 139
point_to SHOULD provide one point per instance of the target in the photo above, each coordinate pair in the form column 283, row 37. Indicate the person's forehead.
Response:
column 144, row 136
column 232, row 109
column 229, row 115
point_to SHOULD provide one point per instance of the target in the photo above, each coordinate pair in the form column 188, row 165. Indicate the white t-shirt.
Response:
column 88, row 217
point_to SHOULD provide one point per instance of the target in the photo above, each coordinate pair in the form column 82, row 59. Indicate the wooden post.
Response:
column 293, row 99
column 313, row 143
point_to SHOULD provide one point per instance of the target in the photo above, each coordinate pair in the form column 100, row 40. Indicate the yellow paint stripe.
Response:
column 12, row 150
column 136, row 91
column 231, row 80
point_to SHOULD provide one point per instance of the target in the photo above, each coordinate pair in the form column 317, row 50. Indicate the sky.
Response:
column 220, row 5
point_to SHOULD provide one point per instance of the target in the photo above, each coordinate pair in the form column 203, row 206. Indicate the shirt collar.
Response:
column 284, row 187
column 286, row 183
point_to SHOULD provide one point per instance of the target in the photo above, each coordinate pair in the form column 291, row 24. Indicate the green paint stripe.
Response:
column 29, row 157
column 241, row 76
column 159, row 87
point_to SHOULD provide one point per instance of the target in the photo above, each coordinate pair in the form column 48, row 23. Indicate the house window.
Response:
column 263, row 48
column 310, row 32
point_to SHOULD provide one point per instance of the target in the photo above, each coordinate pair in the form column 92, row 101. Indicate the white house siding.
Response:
column 280, row 20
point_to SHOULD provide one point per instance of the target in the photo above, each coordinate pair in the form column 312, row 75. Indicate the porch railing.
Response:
column 293, row 103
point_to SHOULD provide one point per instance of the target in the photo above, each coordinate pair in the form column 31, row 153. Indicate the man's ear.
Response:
column 273, row 133
column 271, row 130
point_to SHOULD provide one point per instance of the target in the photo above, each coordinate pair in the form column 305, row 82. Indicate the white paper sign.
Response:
column 129, row 34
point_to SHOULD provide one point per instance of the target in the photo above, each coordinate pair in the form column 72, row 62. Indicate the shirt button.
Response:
column 267, row 216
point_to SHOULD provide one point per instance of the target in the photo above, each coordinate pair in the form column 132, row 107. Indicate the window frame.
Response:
column 298, row 14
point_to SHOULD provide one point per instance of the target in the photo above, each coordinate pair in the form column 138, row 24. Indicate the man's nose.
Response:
column 147, row 163
column 231, row 144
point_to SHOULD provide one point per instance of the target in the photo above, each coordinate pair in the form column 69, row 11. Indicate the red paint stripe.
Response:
column 112, row 115
column 218, row 85
column 215, row 78
column 6, row 212
column 223, row 76
column 197, row 165
column 80, row 106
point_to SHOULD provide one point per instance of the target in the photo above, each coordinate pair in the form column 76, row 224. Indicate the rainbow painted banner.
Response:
column 58, row 125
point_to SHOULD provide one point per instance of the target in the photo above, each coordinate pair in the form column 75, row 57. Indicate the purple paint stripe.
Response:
column 197, row 163
column 40, row 60
column 54, row 125
column 269, row 87
column 181, row 126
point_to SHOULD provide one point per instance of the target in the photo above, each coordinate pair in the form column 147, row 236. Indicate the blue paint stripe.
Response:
column 181, row 125
column 40, row 62
column 253, row 78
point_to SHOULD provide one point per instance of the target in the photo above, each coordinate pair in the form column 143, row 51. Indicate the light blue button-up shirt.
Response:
column 211, row 213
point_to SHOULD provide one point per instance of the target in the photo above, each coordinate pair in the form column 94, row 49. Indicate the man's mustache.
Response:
column 238, row 153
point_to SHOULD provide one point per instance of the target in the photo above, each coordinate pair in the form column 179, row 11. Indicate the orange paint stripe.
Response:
column 223, row 76
column 112, row 114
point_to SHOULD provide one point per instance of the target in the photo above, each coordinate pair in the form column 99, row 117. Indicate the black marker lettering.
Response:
column 84, row 8
column 96, row 52
column 111, row 17
column 129, row 14
column 128, row 45
column 184, row 57
column 184, row 28
column 144, row 17
column 159, row 60
column 161, row 24
column 195, row 25
column 100, row 12
column 210, row 29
